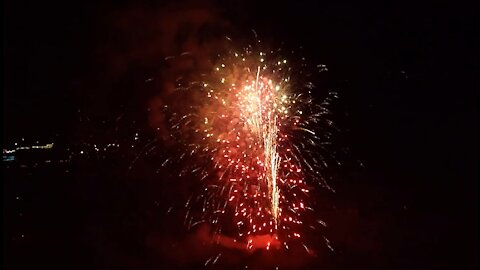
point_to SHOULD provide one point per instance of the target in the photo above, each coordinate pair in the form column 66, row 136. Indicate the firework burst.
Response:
column 260, row 145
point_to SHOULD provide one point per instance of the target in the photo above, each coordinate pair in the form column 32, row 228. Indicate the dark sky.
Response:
column 406, row 72
column 50, row 52
column 46, row 49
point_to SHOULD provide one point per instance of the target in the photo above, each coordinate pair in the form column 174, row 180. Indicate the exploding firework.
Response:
column 260, row 144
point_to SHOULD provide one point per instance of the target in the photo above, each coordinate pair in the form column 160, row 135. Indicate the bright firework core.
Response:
column 256, row 132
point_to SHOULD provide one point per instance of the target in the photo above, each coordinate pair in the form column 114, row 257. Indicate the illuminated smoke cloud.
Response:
column 162, row 43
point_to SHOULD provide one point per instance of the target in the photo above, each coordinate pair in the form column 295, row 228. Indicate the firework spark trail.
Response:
column 266, row 129
column 254, row 133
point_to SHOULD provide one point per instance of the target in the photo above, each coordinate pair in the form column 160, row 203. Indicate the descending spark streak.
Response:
column 267, row 131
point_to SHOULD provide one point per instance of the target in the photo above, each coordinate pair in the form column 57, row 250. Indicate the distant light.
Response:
column 81, row 152
column 47, row 146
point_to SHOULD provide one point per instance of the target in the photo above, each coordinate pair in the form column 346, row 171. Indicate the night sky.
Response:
column 406, row 74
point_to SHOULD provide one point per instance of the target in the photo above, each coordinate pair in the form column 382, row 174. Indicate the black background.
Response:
column 406, row 72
